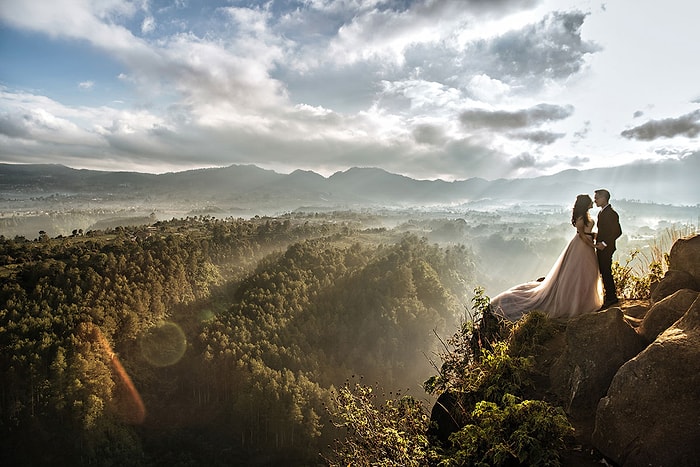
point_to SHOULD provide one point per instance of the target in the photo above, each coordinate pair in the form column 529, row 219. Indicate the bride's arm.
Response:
column 581, row 232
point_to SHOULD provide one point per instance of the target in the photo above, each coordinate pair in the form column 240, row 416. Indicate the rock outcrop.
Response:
column 666, row 312
column 651, row 413
column 581, row 378
column 673, row 281
column 685, row 256
column 629, row 376
column 683, row 269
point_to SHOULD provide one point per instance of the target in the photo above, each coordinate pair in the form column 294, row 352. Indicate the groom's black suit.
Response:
column 609, row 230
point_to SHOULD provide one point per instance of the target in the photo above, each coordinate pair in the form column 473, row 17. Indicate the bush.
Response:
column 389, row 433
column 485, row 376
column 513, row 432
column 637, row 283
column 478, row 333
column 643, row 270
column 502, row 428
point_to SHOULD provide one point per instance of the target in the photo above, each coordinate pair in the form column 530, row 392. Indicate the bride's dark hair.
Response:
column 581, row 206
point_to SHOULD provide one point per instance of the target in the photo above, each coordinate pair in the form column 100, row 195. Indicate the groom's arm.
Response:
column 609, row 228
column 618, row 229
column 606, row 222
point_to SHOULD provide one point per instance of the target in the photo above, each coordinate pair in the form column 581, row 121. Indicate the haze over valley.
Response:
column 516, row 227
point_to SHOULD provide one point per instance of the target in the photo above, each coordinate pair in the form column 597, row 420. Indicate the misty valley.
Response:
column 181, row 333
column 511, row 241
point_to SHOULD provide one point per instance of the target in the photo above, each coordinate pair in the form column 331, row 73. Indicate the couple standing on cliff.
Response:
column 581, row 279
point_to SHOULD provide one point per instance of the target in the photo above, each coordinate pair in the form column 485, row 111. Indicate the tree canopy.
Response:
column 224, row 338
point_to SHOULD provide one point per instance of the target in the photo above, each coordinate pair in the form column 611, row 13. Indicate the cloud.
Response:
column 583, row 132
column 523, row 161
column 385, row 30
column 576, row 161
column 418, row 41
column 527, row 164
column 459, row 159
column 41, row 128
column 429, row 134
column 487, row 89
column 516, row 119
column 223, row 79
column 203, row 70
column 424, row 88
column 550, row 49
column 417, row 96
column 538, row 137
column 507, row 63
column 305, row 137
column 13, row 127
column 686, row 125
column 148, row 25
column 38, row 123
column 95, row 22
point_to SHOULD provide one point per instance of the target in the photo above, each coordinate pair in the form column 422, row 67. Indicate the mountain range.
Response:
column 669, row 182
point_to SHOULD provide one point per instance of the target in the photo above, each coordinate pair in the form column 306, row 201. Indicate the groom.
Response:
column 609, row 230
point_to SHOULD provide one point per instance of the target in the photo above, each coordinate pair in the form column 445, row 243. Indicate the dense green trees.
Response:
column 274, row 314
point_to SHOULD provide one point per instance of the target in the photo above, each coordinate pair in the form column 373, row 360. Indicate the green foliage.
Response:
column 635, row 283
column 528, row 334
column 487, row 374
column 513, row 432
column 644, row 268
column 379, row 432
column 499, row 373
column 463, row 351
column 498, row 426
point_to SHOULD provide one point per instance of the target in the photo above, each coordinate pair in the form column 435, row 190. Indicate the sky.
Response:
column 449, row 89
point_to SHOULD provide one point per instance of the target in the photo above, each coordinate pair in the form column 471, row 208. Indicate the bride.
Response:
column 573, row 285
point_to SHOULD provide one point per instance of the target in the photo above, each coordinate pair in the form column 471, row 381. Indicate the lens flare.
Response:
column 163, row 345
column 206, row 315
column 128, row 400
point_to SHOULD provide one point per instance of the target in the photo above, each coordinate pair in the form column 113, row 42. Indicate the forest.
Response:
column 204, row 341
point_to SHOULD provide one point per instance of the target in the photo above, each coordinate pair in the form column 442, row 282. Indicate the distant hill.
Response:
column 669, row 182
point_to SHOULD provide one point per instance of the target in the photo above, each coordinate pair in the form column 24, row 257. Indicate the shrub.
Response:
column 516, row 432
column 486, row 375
column 478, row 332
column 389, row 433
column 643, row 269
column 637, row 283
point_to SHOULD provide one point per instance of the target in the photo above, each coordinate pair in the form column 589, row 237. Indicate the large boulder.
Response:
column 673, row 281
column 685, row 256
column 597, row 344
column 666, row 312
column 651, row 413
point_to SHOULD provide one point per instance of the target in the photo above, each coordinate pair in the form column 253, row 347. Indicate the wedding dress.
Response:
column 572, row 287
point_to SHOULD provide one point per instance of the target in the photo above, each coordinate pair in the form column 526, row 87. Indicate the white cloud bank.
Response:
column 434, row 88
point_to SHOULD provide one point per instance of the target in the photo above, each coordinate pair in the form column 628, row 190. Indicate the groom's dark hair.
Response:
column 604, row 193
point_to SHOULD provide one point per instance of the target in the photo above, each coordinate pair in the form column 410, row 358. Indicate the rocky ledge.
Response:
column 629, row 376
